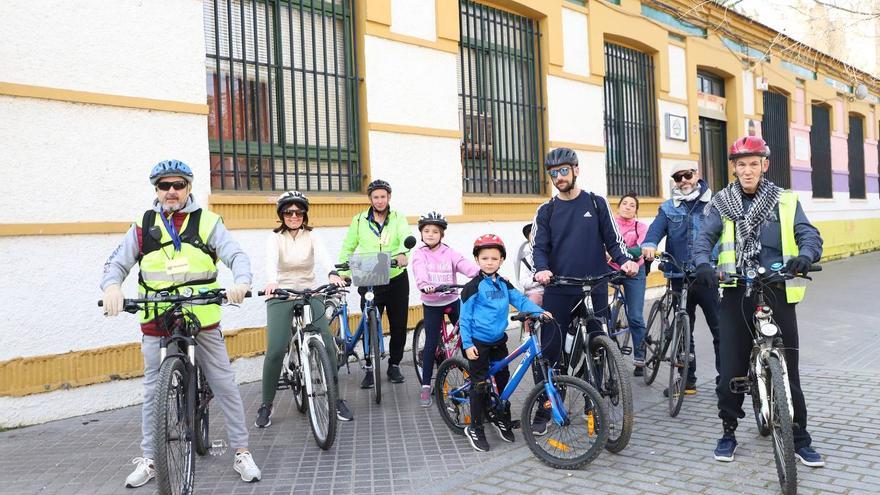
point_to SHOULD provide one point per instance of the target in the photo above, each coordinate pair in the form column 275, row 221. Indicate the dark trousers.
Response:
column 736, row 347
column 480, row 385
column 707, row 299
column 394, row 298
column 433, row 322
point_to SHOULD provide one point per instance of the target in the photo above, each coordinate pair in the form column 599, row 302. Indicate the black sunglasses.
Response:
column 684, row 176
column 291, row 213
column 178, row 185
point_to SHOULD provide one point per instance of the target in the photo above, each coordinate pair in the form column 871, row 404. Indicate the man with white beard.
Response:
column 679, row 220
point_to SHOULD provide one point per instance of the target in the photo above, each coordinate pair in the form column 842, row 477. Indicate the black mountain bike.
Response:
column 600, row 364
column 180, row 411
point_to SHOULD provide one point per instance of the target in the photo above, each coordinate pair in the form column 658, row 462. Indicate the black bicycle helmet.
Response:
column 378, row 184
column 291, row 198
column 561, row 156
column 432, row 218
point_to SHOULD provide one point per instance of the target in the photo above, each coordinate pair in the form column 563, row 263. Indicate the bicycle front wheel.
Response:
column 613, row 385
column 376, row 351
column 173, row 430
column 418, row 346
column 654, row 342
column 780, row 424
column 452, row 390
column 580, row 437
column 620, row 327
column 679, row 360
column 202, row 419
column 322, row 400
column 763, row 426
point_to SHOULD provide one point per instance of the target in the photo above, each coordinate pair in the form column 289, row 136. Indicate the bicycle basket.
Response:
column 369, row 269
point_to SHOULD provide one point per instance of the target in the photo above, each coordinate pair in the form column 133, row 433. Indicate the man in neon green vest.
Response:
column 177, row 244
column 759, row 224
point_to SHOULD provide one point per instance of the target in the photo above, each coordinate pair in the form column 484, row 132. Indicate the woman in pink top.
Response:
column 432, row 265
column 633, row 232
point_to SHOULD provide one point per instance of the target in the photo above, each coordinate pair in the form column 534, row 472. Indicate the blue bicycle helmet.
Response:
column 561, row 156
column 170, row 168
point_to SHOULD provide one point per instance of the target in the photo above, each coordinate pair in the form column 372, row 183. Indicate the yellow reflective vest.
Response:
column 794, row 288
column 194, row 266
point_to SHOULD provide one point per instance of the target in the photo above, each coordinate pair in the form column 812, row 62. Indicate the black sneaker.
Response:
column 477, row 437
column 539, row 427
column 505, row 430
column 343, row 412
column 394, row 374
column 367, row 382
column 639, row 371
column 264, row 415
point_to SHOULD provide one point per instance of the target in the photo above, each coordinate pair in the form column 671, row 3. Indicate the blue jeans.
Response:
column 634, row 292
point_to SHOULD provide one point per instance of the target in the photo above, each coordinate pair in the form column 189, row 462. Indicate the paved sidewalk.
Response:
column 399, row 447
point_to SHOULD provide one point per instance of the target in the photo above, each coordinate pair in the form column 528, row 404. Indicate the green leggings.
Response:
column 279, row 317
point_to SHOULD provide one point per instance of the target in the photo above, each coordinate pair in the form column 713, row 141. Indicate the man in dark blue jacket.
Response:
column 572, row 233
column 679, row 220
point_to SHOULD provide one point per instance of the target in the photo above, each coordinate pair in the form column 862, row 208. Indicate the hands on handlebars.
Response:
column 205, row 296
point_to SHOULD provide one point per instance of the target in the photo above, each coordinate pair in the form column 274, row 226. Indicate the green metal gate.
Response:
column 630, row 122
column 499, row 89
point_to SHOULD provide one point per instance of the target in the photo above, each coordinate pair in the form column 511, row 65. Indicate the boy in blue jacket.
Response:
column 485, row 302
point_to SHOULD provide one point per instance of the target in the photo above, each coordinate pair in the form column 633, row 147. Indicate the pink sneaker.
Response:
column 425, row 398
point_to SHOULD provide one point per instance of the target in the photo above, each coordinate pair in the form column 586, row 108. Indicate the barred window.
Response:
column 820, row 152
column 501, row 120
column 856, row 144
column 630, row 122
column 774, row 130
column 282, row 93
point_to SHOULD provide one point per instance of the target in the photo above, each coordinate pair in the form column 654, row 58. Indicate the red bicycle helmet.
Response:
column 748, row 146
column 486, row 241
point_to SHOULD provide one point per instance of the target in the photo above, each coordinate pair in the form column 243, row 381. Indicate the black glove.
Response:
column 705, row 275
column 798, row 264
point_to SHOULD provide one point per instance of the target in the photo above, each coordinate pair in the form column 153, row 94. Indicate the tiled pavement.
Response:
column 398, row 447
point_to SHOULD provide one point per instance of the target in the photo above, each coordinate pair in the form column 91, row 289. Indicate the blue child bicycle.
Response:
column 579, row 426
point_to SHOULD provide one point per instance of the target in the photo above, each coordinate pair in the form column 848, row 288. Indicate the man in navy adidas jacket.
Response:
column 573, row 231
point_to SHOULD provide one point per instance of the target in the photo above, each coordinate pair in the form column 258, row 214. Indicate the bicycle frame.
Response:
column 360, row 333
column 532, row 350
column 302, row 318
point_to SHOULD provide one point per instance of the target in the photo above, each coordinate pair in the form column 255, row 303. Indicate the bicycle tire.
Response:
column 678, row 363
column 763, row 427
column 296, row 377
column 418, row 346
column 781, row 425
column 172, row 437
column 322, row 400
column 621, row 337
column 615, row 389
column 654, row 342
column 202, row 414
column 456, row 411
column 376, row 351
column 570, row 388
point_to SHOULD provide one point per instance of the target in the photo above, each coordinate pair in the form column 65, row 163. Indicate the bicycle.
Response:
column 369, row 270
column 579, row 426
column 767, row 381
column 450, row 341
column 670, row 339
column 313, row 386
column 181, row 410
column 601, row 367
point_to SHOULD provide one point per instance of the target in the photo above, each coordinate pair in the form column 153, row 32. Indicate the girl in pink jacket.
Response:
column 435, row 264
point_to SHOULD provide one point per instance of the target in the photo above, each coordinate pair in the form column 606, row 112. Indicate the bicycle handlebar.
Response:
column 213, row 296
column 590, row 281
column 445, row 288
column 728, row 277
column 531, row 317
column 326, row 289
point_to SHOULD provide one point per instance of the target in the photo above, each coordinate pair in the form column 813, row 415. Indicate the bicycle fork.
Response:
column 761, row 375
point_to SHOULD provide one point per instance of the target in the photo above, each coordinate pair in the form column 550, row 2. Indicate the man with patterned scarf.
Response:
column 759, row 224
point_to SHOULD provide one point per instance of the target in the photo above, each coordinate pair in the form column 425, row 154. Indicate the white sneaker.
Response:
column 245, row 466
column 143, row 472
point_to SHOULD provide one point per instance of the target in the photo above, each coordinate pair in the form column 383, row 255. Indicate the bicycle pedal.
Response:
column 515, row 424
column 282, row 385
column 626, row 351
column 740, row 385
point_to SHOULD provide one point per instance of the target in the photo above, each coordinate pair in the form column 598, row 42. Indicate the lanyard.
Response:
column 169, row 225
column 370, row 223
